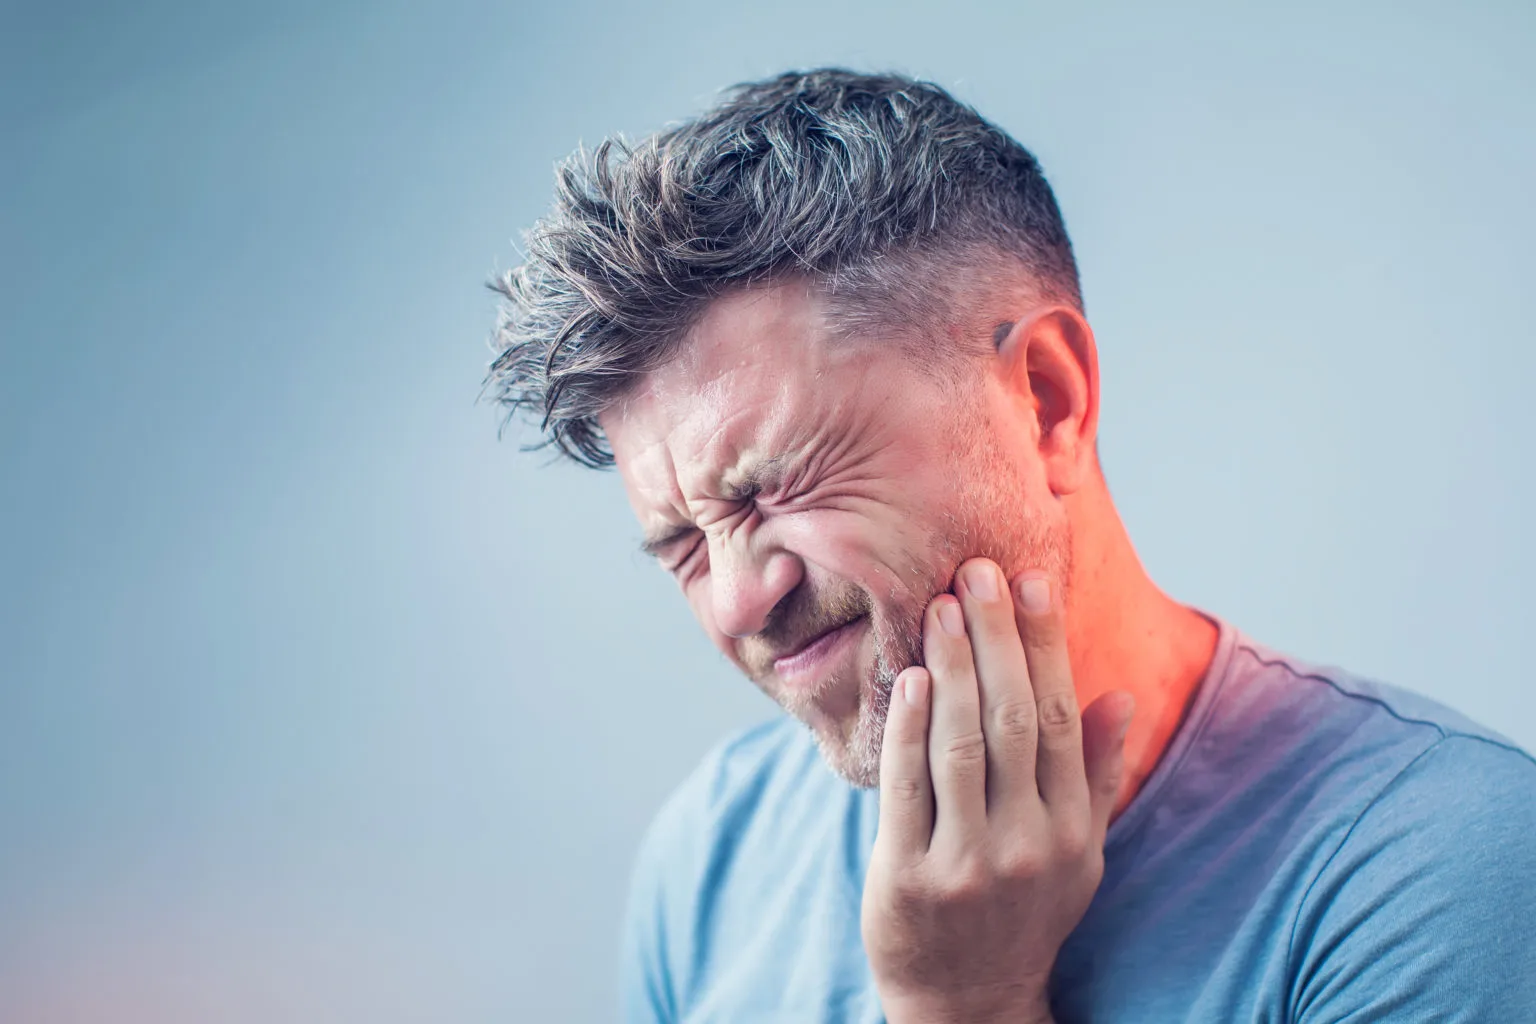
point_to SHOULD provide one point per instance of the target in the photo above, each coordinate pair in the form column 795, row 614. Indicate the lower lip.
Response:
column 802, row 668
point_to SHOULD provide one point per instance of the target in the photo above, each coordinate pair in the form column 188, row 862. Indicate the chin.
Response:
column 847, row 715
column 851, row 744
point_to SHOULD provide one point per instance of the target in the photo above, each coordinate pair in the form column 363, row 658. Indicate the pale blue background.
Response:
column 318, row 704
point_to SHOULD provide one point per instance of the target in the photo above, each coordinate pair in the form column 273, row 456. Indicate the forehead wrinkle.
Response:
column 653, row 484
column 745, row 395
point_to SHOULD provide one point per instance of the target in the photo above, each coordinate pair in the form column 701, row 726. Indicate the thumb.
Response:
column 1105, row 722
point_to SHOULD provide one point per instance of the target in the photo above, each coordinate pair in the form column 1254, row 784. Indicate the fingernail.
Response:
column 951, row 619
column 981, row 581
column 915, row 689
column 1035, row 593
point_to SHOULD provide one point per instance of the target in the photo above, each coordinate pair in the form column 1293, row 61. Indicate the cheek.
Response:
column 889, row 554
column 895, row 555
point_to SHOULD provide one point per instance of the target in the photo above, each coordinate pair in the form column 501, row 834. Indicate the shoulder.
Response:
column 1422, row 899
column 1352, row 734
column 1304, row 748
column 1428, row 906
column 1387, row 706
column 1386, row 754
column 1412, row 711
column 1465, row 801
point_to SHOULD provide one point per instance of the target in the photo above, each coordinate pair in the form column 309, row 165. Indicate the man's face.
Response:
column 811, row 486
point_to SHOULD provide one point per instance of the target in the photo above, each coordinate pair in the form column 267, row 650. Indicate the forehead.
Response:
column 760, row 376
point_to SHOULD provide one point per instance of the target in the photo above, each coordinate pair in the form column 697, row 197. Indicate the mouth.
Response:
column 807, row 664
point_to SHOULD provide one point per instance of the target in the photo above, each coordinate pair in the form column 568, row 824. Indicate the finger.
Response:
column 1059, row 762
column 906, row 793
column 957, row 755
column 1105, row 722
column 1008, row 719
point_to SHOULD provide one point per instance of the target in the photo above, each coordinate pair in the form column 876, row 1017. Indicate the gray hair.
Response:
column 886, row 193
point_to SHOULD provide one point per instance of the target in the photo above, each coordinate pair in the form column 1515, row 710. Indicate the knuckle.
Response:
column 1072, row 840
column 1024, row 860
column 967, row 882
column 905, row 788
column 1058, row 713
column 910, row 888
column 965, row 751
column 1015, row 719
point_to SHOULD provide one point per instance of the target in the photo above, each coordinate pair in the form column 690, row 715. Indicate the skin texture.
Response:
column 886, row 481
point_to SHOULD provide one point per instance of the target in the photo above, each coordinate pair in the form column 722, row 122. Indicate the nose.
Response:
column 748, row 580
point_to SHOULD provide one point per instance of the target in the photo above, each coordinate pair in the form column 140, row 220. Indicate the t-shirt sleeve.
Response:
column 1427, row 911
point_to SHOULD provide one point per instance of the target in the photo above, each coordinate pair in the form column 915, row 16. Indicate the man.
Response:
column 831, row 335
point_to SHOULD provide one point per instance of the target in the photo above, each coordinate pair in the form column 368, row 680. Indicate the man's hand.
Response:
column 994, row 798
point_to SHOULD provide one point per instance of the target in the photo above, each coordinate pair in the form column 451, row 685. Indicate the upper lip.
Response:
column 791, row 652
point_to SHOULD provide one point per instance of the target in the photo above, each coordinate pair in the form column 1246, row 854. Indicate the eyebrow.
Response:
column 766, row 472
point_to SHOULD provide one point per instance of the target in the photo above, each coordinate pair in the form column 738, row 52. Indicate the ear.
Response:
column 1050, row 363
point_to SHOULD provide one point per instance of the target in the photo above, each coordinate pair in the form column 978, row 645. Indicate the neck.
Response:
column 1126, row 634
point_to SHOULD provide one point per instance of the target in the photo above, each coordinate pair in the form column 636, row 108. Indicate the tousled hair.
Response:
column 886, row 193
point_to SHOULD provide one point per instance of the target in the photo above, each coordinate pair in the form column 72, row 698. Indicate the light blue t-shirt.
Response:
column 1311, row 847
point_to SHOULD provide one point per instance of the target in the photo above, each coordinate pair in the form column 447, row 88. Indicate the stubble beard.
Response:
column 995, row 518
column 853, row 751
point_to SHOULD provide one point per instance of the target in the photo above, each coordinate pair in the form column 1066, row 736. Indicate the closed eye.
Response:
column 658, row 545
column 687, row 556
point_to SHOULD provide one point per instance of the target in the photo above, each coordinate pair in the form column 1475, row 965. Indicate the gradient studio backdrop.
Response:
column 317, row 703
